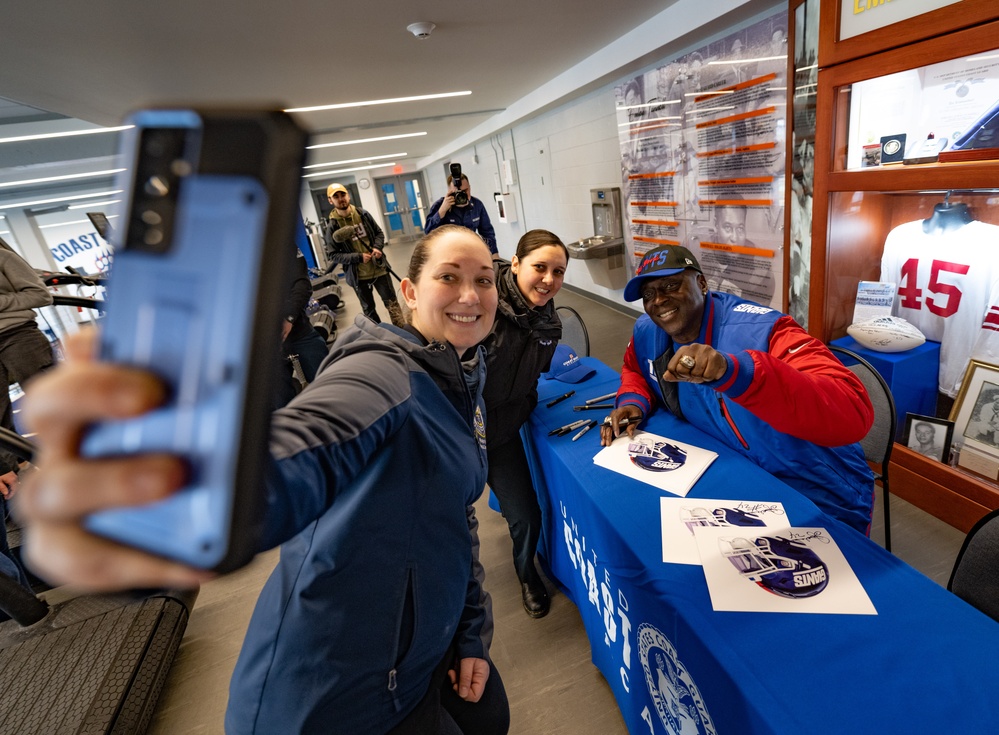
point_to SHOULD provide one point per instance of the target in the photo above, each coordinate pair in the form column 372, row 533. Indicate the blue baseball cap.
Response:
column 567, row 367
column 664, row 261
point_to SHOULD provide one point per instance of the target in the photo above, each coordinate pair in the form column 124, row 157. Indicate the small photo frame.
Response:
column 976, row 410
column 929, row 436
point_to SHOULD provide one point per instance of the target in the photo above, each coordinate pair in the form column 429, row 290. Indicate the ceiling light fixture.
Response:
column 344, row 170
column 356, row 160
column 345, row 105
column 74, row 222
column 364, row 140
column 67, row 134
column 67, row 177
column 61, row 199
column 90, row 205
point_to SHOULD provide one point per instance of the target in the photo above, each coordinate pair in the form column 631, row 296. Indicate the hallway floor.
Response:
column 545, row 664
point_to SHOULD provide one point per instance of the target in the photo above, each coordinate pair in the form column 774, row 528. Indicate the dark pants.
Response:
column 443, row 712
column 382, row 284
column 510, row 478
column 311, row 350
column 24, row 351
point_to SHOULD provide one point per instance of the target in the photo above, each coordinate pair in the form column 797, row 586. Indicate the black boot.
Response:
column 536, row 600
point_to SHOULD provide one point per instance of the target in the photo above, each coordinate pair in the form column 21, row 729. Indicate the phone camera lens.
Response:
column 156, row 186
column 151, row 218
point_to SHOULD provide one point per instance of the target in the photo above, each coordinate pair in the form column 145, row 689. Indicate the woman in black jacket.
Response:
column 519, row 349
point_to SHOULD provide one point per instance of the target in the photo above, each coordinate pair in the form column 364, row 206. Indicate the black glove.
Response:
column 344, row 234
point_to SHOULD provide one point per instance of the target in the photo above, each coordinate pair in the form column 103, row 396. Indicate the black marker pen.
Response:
column 560, row 398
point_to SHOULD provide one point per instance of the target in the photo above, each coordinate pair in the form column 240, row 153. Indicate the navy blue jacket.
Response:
column 473, row 216
column 374, row 464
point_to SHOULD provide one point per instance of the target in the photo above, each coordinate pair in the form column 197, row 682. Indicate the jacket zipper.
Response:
column 731, row 422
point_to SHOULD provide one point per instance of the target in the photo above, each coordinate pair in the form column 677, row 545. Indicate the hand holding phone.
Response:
column 56, row 500
column 193, row 299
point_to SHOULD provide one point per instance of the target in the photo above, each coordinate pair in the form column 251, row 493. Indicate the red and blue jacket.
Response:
column 785, row 401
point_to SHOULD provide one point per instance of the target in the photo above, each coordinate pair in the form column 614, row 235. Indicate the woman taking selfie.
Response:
column 371, row 622
column 519, row 349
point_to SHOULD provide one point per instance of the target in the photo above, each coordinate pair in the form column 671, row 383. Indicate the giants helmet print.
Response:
column 723, row 517
column 778, row 565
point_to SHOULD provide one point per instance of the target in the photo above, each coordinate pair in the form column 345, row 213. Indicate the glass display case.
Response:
column 904, row 138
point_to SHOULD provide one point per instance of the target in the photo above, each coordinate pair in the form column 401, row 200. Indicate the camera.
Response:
column 165, row 157
column 460, row 197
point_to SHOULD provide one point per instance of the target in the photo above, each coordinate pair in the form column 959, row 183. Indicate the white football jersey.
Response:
column 946, row 284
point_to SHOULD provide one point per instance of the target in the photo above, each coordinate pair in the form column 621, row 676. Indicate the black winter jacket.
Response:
column 518, row 350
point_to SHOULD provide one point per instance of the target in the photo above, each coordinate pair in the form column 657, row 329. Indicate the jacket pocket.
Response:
column 405, row 634
column 731, row 422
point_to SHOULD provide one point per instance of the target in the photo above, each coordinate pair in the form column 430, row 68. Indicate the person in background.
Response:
column 357, row 243
column 750, row 377
column 519, row 349
column 472, row 214
column 298, row 337
column 24, row 352
column 371, row 622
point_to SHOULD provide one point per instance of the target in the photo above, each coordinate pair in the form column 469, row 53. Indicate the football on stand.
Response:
column 886, row 334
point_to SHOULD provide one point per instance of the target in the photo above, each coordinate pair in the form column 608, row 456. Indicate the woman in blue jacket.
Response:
column 371, row 621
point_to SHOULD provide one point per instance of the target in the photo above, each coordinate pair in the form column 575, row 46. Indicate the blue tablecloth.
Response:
column 926, row 663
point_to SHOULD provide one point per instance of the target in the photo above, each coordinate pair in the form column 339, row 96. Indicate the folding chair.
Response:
column 879, row 440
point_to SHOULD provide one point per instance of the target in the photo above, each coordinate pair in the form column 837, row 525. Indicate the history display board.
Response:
column 703, row 142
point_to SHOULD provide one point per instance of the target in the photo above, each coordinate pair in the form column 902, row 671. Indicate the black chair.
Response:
column 975, row 578
column 878, row 442
column 573, row 330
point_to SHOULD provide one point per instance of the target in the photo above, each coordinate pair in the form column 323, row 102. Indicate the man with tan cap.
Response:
column 356, row 241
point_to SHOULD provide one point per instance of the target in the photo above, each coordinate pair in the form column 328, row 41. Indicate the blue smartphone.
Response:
column 195, row 297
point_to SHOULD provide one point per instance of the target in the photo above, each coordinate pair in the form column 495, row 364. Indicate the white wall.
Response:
column 564, row 152
column 560, row 155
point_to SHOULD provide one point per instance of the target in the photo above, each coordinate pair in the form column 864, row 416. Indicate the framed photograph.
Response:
column 929, row 436
column 976, row 410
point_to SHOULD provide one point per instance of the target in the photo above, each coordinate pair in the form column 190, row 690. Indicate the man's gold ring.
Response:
column 688, row 362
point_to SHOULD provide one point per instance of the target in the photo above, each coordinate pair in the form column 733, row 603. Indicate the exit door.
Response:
column 404, row 206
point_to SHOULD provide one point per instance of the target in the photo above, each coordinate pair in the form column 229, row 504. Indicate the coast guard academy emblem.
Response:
column 479, row 424
column 678, row 701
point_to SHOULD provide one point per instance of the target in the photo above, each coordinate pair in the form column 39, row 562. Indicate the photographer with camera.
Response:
column 459, row 207
column 356, row 242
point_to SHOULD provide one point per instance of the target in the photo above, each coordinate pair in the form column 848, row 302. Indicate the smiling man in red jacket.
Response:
column 752, row 378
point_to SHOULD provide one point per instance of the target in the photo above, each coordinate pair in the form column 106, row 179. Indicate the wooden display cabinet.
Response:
column 964, row 14
column 855, row 209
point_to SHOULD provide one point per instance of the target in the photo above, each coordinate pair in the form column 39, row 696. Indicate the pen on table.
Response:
column 560, row 398
column 589, row 425
column 623, row 422
column 567, row 427
column 598, row 399
column 593, row 407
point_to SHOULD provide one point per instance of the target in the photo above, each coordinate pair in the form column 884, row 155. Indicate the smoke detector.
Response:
column 421, row 30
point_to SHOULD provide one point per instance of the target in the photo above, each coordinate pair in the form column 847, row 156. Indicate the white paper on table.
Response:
column 664, row 463
column 818, row 572
column 680, row 516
